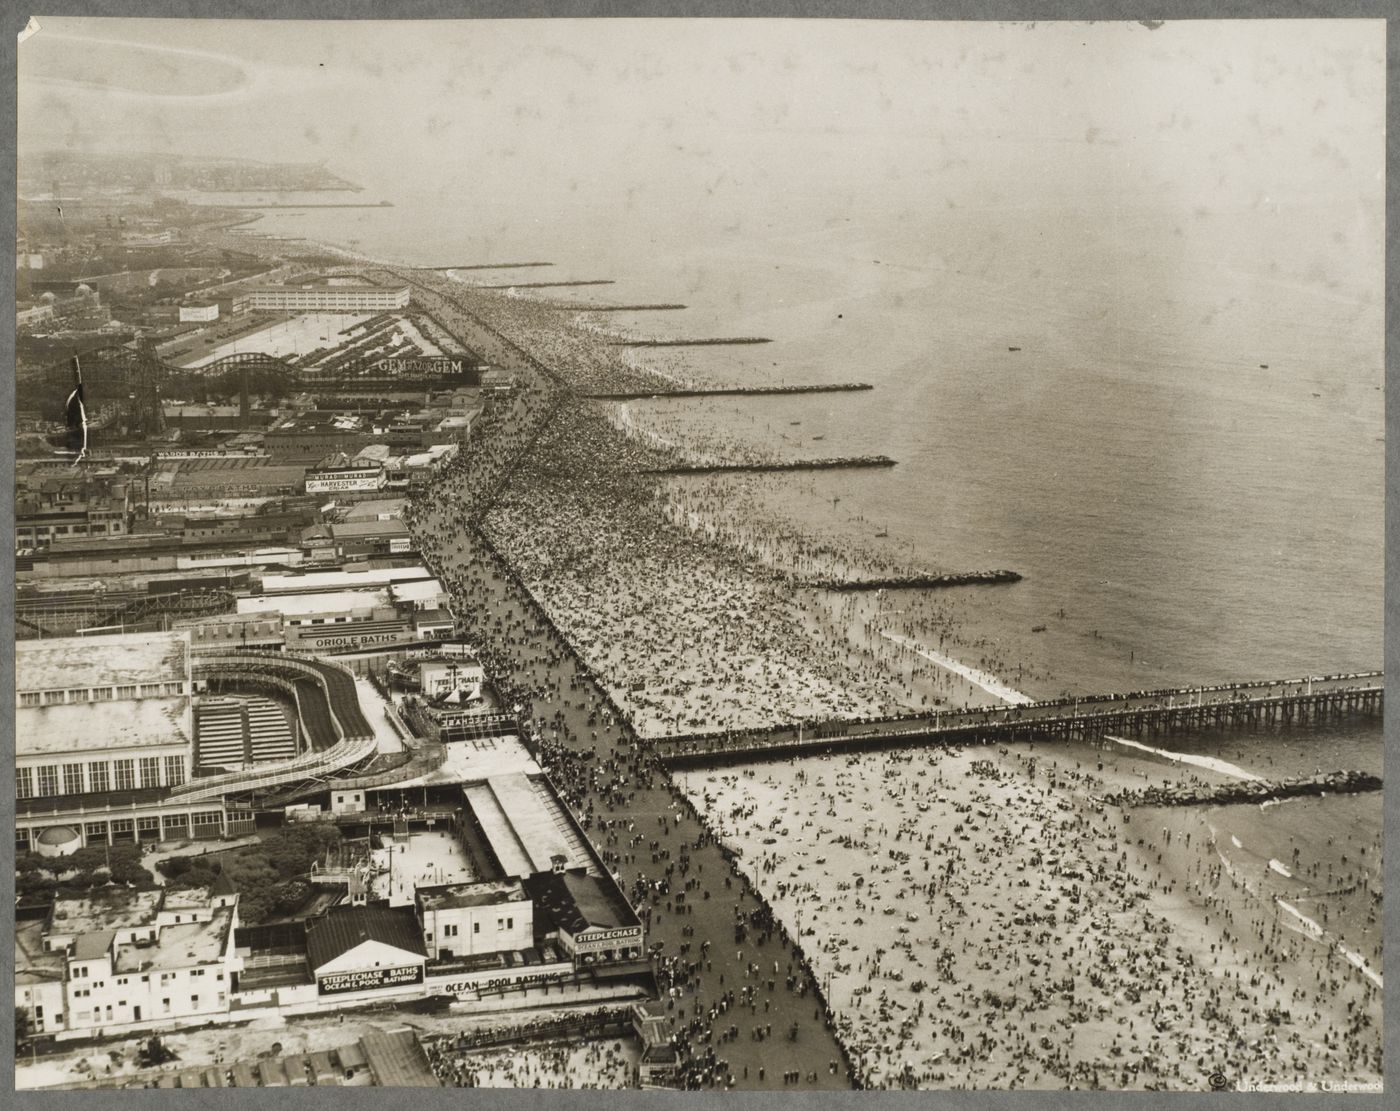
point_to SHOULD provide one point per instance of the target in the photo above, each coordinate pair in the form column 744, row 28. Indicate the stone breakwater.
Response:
column 899, row 582
column 848, row 462
column 726, row 391
column 718, row 341
column 1251, row 790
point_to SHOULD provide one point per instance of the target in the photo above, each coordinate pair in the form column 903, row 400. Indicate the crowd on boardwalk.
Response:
column 648, row 831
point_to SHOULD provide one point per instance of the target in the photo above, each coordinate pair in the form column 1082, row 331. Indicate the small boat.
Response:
column 1037, row 628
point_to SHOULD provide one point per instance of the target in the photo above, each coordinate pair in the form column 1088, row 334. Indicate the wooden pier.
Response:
column 1253, row 705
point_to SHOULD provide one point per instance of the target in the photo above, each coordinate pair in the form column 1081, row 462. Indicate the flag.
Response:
column 77, row 440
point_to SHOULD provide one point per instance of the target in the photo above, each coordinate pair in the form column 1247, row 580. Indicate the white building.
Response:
column 200, row 313
column 468, row 919
column 354, row 949
column 327, row 298
column 103, row 731
column 141, row 960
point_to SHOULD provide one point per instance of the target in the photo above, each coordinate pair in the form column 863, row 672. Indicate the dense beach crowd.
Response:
column 984, row 921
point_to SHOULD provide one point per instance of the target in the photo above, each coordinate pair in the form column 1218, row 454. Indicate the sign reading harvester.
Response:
column 355, row 478
column 368, row 979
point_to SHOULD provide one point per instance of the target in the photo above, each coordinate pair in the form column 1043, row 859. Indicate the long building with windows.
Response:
column 104, row 736
column 329, row 298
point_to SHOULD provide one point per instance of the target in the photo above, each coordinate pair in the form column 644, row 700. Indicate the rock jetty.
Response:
column 1251, row 790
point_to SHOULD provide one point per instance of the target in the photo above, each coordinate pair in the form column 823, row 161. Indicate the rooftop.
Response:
column 63, row 663
column 90, row 726
column 424, row 590
column 350, row 529
column 106, row 908
column 33, row 963
column 372, row 510
column 186, row 898
column 179, row 946
column 453, row 895
column 340, row 579
column 300, row 605
column 434, row 858
column 344, row 928
column 396, row 1059
column 577, row 902
column 468, row 761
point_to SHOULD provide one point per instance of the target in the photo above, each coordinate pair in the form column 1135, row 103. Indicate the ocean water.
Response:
column 1196, row 516
column 1180, row 231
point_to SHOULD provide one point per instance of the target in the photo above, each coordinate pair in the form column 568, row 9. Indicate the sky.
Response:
column 1189, row 108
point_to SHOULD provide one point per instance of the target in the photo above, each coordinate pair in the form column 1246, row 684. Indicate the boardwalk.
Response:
column 1229, row 705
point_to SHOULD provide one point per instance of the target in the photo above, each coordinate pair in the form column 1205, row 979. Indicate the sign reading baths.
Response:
column 501, row 983
column 368, row 979
column 358, row 640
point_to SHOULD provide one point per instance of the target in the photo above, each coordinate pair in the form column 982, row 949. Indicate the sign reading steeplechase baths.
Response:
column 369, row 979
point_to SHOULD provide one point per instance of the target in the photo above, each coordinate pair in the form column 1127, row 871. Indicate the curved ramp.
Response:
column 328, row 707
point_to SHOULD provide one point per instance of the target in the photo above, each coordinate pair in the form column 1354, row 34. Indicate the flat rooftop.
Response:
column 302, row 605
column 351, row 530
column 33, row 963
column 64, row 663
column 97, row 726
column 106, row 908
column 429, row 859
column 372, row 510
column 453, row 895
column 469, row 761
column 179, row 946
column 423, row 590
column 532, row 820
column 314, row 581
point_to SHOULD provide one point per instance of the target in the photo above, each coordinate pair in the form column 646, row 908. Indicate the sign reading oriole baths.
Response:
column 357, row 640
column 367, row 979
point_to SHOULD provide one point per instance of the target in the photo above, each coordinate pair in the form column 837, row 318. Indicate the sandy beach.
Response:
column 983, row 922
